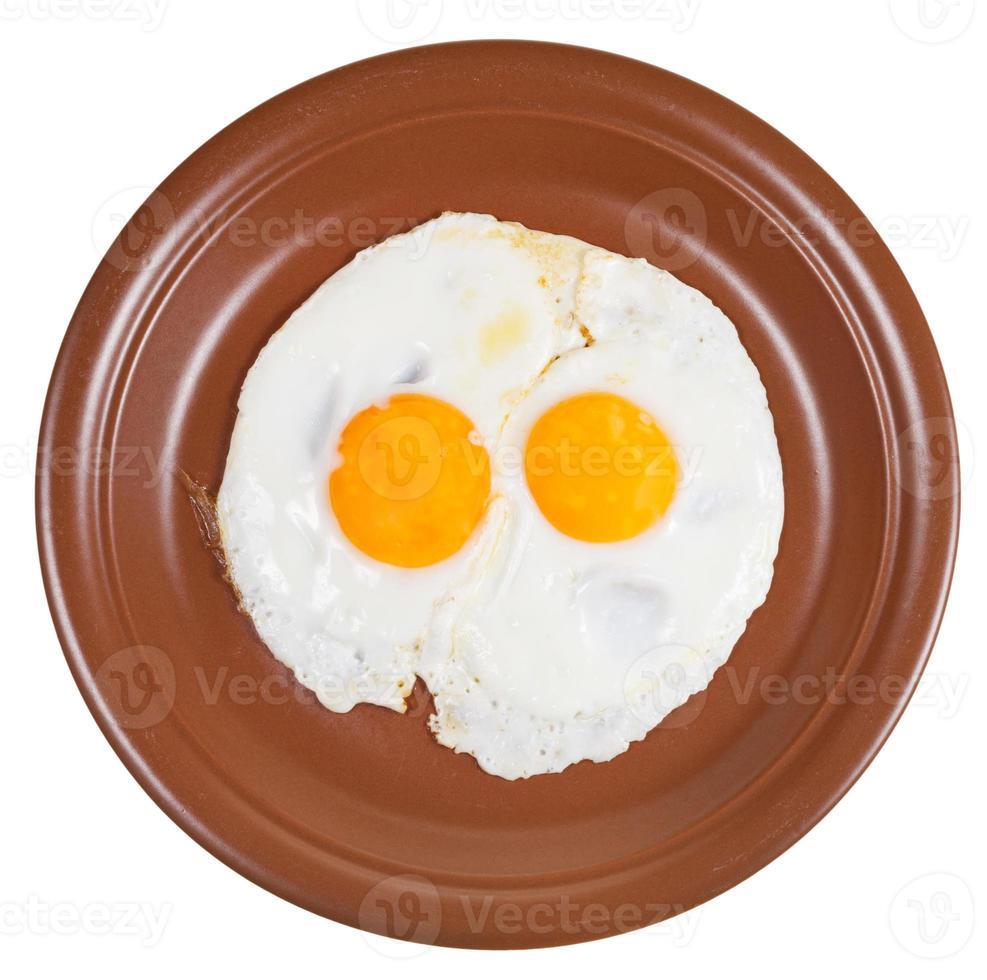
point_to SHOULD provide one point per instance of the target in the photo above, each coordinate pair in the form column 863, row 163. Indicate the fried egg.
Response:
column 432, row 335
column 637, row 535
column 541, row 476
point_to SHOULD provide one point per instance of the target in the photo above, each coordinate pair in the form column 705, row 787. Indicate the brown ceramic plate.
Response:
column 363, row 817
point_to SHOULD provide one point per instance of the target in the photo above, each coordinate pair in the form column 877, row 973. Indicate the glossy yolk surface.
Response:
column 600, row 468
column 413, row 481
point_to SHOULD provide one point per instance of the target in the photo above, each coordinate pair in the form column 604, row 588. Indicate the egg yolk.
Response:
column 600, row 468
column 413, row 481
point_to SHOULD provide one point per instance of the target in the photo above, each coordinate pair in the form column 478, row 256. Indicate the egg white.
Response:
column 561, row 650
column 464, row 309
column 540, row 650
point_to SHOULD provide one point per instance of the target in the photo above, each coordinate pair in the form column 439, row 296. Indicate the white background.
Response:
column 105, row 96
